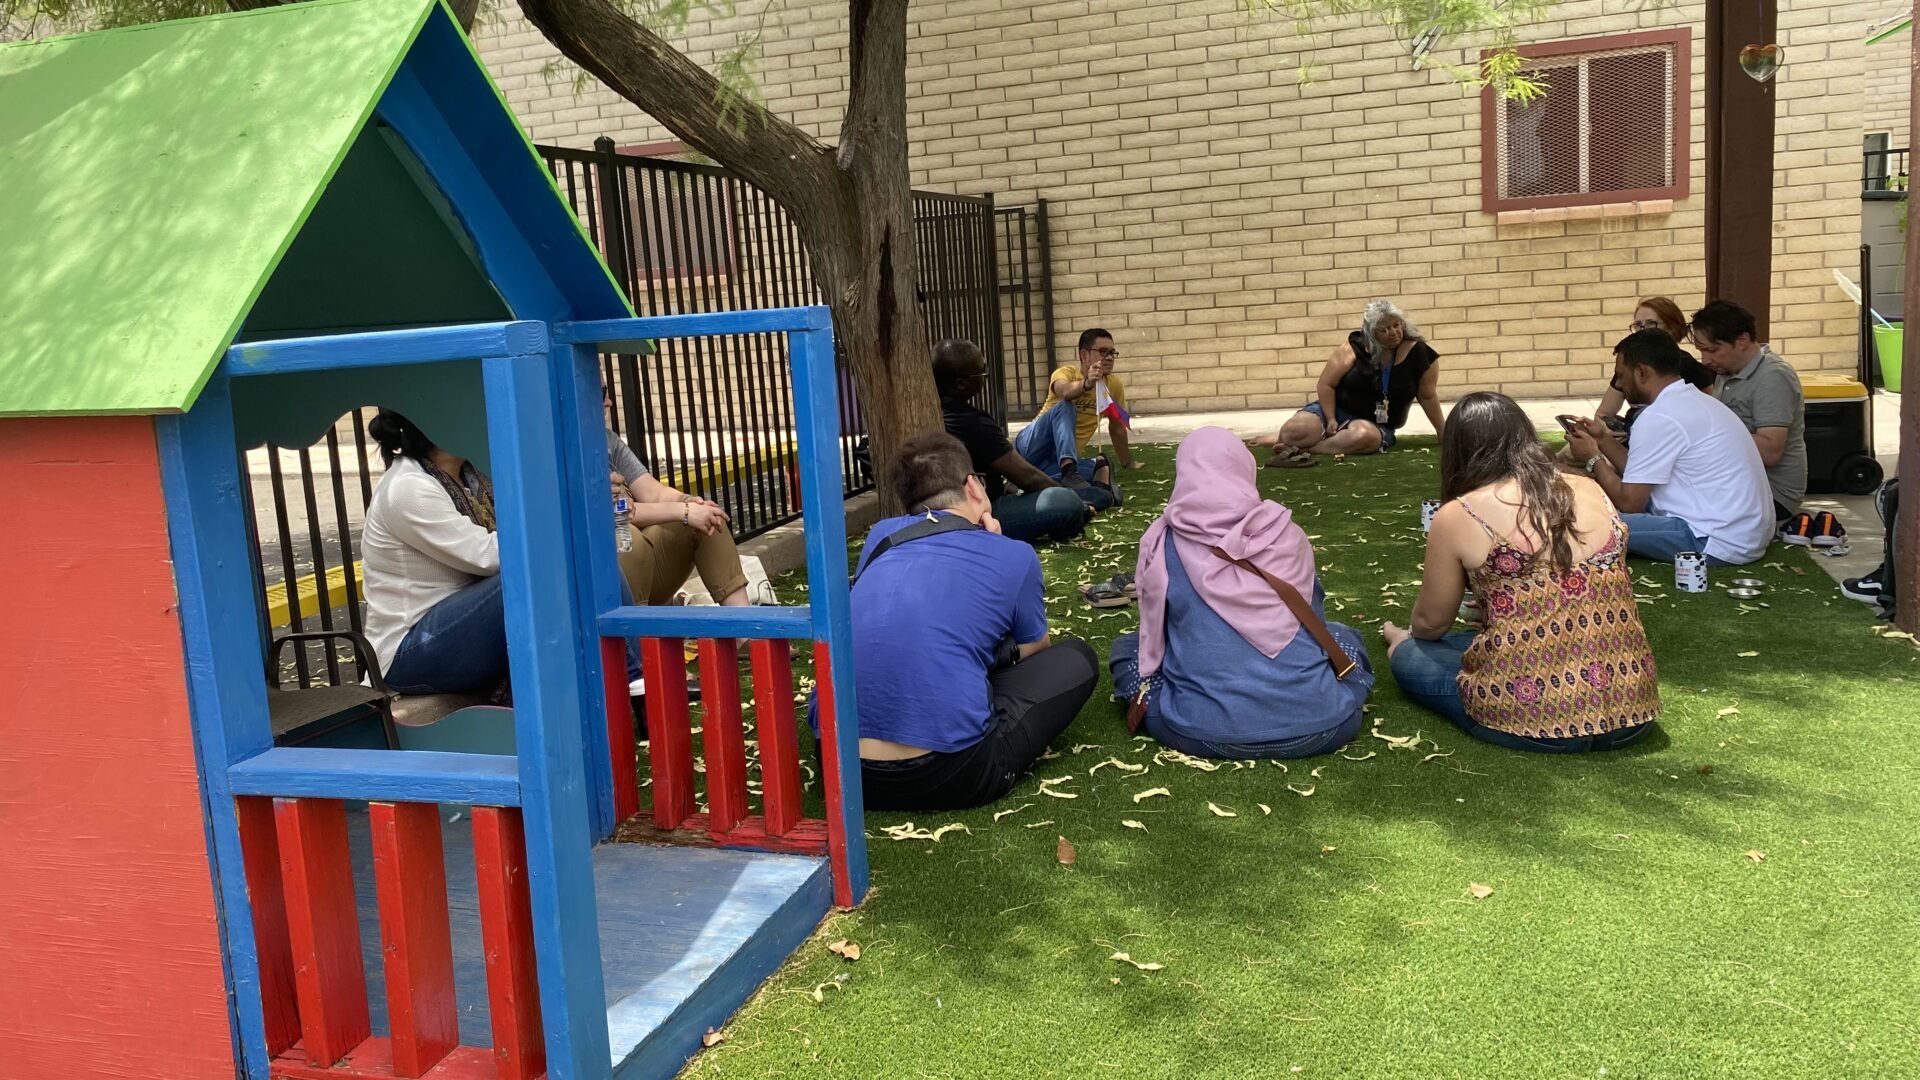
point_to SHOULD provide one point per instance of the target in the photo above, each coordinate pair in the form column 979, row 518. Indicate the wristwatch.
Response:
column 1594, row 462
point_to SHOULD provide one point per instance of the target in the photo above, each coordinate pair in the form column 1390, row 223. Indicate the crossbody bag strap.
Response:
column 1303, row 611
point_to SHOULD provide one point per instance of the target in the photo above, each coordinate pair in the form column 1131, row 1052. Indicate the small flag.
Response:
column 1104, row 404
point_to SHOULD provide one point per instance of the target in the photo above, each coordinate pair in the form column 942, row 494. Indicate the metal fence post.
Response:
column 1046, row 277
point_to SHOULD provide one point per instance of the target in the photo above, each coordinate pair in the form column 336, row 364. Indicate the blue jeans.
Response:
column 1662, row 536
column 1049, row 514
column 1124, row 662
column 1387, row 437
column 1427, row 672
column 1051, row 439
column 460, row 645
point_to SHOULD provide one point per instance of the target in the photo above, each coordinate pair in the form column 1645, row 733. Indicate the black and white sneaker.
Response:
column 1870, row 589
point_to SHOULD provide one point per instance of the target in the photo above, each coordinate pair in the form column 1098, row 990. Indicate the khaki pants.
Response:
column 663, row 556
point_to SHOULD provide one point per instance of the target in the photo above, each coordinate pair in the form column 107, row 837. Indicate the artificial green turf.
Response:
column 1628, row 933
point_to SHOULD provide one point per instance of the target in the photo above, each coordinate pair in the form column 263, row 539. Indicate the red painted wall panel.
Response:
column 109, row 960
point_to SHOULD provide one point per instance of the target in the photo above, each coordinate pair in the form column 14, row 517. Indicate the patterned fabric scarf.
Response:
column 472, row 494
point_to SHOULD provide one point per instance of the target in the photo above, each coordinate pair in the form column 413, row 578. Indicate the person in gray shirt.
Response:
column 1763, row 391
column 674, row 534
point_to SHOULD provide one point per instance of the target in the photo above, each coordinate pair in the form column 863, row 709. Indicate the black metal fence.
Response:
column 712, row 416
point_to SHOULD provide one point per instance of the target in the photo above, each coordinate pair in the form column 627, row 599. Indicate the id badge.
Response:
column 1380, row 414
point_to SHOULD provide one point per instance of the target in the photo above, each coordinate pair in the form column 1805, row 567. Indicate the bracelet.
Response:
column 1592, row 463
column 686, row 513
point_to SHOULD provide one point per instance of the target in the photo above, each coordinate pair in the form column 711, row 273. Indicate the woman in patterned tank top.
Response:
column 1560, row 662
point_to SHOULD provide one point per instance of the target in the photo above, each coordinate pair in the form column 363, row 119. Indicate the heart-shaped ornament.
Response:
column 1761, row 61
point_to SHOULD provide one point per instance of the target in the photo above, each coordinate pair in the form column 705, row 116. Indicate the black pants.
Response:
column 1033, row 701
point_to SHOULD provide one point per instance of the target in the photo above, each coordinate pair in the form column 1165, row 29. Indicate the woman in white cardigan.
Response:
column 432, row 570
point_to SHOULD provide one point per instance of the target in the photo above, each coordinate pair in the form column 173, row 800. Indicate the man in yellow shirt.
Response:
column 1072, row 412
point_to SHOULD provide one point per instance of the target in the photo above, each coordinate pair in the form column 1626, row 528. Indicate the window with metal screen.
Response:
column 1611, row 125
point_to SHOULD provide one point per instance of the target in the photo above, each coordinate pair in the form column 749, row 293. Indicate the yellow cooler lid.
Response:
column 1831, row 386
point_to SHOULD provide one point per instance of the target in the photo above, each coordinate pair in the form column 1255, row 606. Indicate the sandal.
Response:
column 1122, row 582
column 1106, row 595
column 1290, row 457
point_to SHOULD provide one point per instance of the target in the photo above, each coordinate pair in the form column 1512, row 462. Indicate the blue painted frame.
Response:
column 207, row 532
column 827, row 619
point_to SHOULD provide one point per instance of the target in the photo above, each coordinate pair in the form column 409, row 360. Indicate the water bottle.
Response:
column 622, row 529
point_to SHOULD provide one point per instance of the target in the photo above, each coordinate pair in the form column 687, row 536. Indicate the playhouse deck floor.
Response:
column 686, row 935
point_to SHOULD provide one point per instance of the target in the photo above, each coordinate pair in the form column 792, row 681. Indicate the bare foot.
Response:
column 1261, row 442
column 1394, row 635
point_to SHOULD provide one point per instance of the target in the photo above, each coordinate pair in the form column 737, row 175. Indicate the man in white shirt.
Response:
column 1693, row 480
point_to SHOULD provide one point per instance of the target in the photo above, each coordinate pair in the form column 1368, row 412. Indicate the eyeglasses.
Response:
column 1105, row 354
column 1643, row 324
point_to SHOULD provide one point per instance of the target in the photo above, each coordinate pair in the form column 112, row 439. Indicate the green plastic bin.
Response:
column 1887, row 345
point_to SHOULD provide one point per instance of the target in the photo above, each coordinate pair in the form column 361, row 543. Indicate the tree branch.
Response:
column 766, row 151
column 877, row 55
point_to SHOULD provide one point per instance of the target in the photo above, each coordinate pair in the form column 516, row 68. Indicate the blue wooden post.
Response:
column 536, row 565
column 212, row 560
column 583, row 447
column 817, row 415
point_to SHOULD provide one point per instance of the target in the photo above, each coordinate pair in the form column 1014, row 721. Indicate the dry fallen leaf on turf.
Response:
column 846, row 950
column 1479, row 891
column 1705, row 770
column 1749, row 652
column 1264, row 808
column 1328, row 849
column 1150, row 793
column 1315, row 773
column 945, row 829
column 1003, row 813
column 1128, row 767
column 1298, row 790
column 1065, row 852
column 1757, row 856
column 712, row 1038
column 1219, row 811
column 1125, row 959
column 1038, row 824
column 1362, row 757
column 1079, row 746
column 1731, row 710
column 1132, row 824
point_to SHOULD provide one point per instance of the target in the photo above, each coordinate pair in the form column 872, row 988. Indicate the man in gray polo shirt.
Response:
column 1763, row 391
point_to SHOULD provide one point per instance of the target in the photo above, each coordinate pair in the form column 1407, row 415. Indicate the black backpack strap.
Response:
column 932, row 525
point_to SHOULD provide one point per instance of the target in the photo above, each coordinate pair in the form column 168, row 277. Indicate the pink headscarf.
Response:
column 1215, row 503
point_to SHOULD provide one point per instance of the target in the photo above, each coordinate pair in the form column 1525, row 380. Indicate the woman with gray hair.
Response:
column 1364, row 392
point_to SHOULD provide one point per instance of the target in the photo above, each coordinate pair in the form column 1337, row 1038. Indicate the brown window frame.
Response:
column 1490, row 149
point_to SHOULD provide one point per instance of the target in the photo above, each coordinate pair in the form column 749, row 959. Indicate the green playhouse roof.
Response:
column 154, row 177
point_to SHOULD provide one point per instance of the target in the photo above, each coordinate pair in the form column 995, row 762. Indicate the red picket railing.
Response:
column 312, row 987
column 728, row 819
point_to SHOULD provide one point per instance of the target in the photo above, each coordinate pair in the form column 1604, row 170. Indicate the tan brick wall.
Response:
column 1885, row 84
column 1229, row 223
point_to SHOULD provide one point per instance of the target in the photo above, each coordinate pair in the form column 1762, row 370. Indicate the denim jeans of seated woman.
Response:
column 1427, row 672
column 460, row 645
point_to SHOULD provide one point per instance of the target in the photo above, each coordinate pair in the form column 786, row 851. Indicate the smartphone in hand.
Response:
column 1570, row 423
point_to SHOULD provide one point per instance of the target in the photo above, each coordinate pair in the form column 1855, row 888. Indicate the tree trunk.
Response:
column 853, row 205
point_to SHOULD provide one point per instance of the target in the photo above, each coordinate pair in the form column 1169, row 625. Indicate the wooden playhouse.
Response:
column 229, row 231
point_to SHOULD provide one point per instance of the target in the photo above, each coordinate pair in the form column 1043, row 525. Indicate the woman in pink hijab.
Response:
column 1227, row 669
